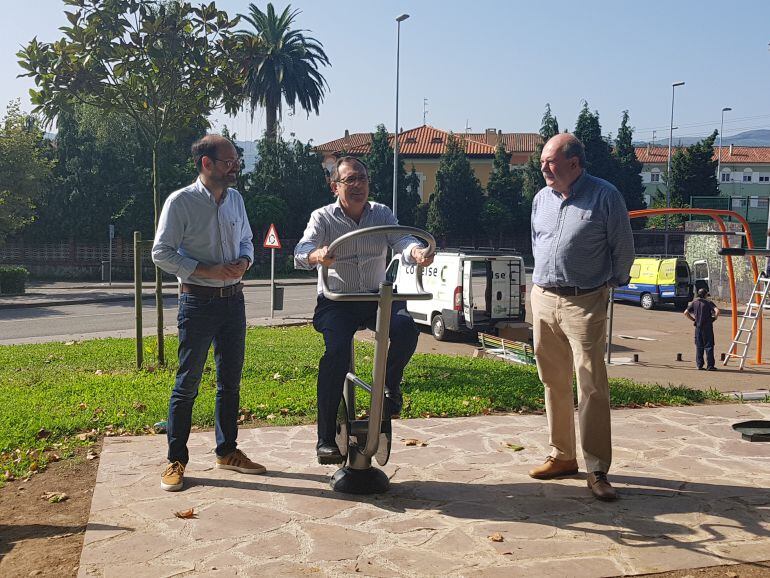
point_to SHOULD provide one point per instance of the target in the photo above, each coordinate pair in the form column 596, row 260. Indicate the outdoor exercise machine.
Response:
column 359, row 440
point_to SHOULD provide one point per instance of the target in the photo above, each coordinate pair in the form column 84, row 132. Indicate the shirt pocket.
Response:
column 233, row 228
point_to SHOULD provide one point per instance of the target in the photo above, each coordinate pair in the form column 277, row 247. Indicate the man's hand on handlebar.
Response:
column 321, row 257
column 421, row 257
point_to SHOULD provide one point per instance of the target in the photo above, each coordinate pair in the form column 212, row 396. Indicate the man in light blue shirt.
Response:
column 582, row 244
column 204, row 238
column 357, row 266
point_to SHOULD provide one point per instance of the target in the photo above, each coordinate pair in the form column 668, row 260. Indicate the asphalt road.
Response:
column 116, row 318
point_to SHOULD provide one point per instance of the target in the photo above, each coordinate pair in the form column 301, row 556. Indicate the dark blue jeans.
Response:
column 704, row 343
column 201, row 321
column 338, row 322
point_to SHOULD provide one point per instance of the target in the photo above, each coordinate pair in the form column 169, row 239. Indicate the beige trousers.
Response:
column 570, row 333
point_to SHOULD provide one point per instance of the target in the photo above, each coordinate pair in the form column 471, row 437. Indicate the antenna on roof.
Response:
column 467, row 127
column 424, row 110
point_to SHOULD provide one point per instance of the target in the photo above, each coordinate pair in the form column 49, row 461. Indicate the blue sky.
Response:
column 495, row 64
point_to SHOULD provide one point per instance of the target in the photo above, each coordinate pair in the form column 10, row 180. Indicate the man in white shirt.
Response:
column 204, row 238
column 357, row 266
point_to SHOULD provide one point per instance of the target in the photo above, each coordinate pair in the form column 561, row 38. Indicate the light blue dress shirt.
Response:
column 193, row 229
column 584, row 240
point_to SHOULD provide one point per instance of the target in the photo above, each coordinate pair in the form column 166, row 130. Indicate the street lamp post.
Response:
column 719, row 155
column 668, row 170
column 399, row 20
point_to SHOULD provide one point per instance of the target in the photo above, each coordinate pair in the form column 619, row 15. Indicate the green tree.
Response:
column 502, row 210
column 599, row 160
column 280, row 63
column 693, row 171
column 101, row 177
column 456, row 202
column 163, row 65
column 287, row 184
column 25, row 168
column 532, row 178
column 379, row 163
column 628, row 178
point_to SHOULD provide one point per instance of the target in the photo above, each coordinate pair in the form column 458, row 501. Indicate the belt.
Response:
column 204, row 291
column 571, row 291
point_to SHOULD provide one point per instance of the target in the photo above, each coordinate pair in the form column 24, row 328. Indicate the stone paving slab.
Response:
column 692, row 494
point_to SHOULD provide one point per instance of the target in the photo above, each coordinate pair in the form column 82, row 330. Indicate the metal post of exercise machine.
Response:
column 359, row 440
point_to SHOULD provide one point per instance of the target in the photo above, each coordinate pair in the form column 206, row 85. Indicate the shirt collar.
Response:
column 201, row 188
column 337, row 208
column 576, row 187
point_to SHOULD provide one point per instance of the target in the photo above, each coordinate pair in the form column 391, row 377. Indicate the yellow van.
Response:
column 658, row 280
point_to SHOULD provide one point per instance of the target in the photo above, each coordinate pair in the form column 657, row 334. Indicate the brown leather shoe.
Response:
column 601, row 488
column 553, row 468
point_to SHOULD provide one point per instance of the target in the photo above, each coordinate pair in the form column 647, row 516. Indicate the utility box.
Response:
column 277, row 298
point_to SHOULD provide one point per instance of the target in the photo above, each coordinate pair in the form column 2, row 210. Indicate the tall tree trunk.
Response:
column 271, row 117
column 158, row 274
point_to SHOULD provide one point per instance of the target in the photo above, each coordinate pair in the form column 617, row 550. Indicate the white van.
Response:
column 473, row 290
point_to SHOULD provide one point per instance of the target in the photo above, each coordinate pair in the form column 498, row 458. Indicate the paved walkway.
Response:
column 692, row 494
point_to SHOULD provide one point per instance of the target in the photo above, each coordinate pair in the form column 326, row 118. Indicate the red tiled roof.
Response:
column 515, row 142
column 741, row 155
column 428, row 141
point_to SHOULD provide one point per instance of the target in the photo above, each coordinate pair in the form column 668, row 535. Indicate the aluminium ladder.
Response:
column 749, row 318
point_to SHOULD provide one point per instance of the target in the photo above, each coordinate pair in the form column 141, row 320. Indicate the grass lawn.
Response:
column 54, row 396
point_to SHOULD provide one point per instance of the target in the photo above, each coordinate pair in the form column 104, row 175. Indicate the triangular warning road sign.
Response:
column 271, row 239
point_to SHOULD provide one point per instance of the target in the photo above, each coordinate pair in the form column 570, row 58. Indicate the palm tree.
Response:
column 280, row 63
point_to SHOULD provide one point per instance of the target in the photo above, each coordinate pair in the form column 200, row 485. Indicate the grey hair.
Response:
column 574, row 148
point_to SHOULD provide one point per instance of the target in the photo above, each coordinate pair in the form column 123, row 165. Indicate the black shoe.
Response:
column 328, row 453
column 711, row 368
column 701, row 368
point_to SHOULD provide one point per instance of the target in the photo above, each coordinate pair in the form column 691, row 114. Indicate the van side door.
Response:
column 468, row 293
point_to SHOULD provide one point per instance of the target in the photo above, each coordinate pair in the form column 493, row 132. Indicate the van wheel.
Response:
column 646, row 301
column 437, row 327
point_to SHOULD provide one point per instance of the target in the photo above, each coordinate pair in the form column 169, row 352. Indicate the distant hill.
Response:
column 750, row 138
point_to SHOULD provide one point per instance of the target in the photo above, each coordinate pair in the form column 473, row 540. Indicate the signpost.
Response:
column 272, row 242
column 112, row 236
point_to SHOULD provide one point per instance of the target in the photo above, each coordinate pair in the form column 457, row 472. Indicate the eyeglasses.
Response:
column 353, row 179
column 229, row 163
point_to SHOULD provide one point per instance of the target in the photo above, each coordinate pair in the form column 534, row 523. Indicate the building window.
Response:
column 655, row 177
column 762, row 203
column 725, row 177
column 764, row 178
column 747, row 177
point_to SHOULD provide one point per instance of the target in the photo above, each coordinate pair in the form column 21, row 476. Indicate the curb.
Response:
column 83, row 301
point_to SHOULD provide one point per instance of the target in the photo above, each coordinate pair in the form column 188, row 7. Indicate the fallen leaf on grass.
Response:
column 82, row 406
column 496, row 537
column 138, row 406
column 91, row 455
column 42, row 434
column 270, row 416
column 69, row 343
column 8, row 476
column 186, row 514
column 514, row 447
column 54, row 497
column 54, row 457
column 98, row 372
column 415, row 442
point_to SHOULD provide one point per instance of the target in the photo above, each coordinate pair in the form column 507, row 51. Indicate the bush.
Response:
column 12, row 280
